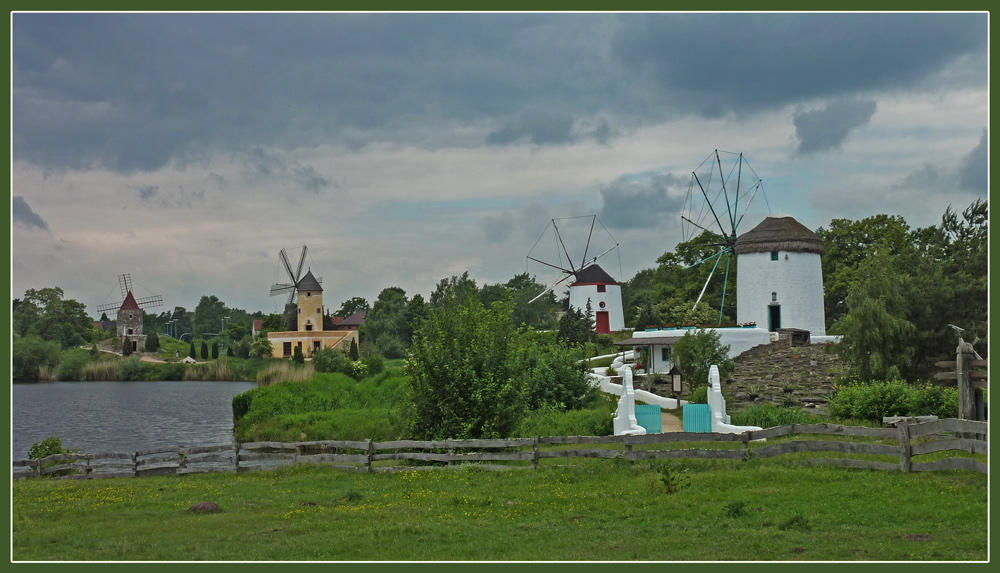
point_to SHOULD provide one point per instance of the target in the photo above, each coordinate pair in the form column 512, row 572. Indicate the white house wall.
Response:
column 612, row 299
column 797, row 278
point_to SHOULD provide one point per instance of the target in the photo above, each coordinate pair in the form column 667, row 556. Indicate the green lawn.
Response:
column 590, row 510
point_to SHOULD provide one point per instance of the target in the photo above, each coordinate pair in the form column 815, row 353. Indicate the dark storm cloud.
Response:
column 269, row 164
column 641, row 204
column 22, row 214
column 139, row 92
column 537, row 128
column 148, row 192
column 972, row 172
column 827, row 128
column 720, row 63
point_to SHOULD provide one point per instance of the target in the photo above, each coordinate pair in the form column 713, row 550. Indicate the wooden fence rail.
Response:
column 901, row 443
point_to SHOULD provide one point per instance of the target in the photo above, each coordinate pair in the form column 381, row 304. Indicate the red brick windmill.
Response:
column 129, row 313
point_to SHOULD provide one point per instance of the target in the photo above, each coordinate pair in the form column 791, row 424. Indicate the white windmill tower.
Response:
column 780, row 276
column 591, row 283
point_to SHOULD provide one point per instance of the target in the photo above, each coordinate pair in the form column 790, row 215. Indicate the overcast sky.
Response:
column 189, row 149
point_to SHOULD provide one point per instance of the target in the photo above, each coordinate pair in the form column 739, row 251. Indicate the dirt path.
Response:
column 671, row 423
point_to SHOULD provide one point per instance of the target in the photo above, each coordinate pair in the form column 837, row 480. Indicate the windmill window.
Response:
column 774, row 297
column 308, row 294
column 130, row 315
column 309, row 326
column 300, row 311
column 602, row 288
column 774, row 255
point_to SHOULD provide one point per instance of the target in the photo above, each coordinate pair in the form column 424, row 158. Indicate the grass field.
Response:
column 590, row 510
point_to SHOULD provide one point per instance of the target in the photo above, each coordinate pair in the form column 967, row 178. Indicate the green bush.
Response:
column 47, row 447
column 130, row 369
column 557, row 377
column 375, row 364
column 30, row 354
column 241, row 404
column 332, row 360
column 875, row 400
column 297, row 356
column 71, row 365
column 769, row 416
column 699, row 395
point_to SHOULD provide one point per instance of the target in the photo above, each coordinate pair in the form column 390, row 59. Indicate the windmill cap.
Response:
column 779, row 232
column 593, row 274
column 309, row 282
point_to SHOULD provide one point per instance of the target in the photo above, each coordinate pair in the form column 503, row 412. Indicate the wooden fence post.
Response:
column 534, row 453
column 135, row 464
column 966, row 397
column 370, row 455
column 746, row 446
column 627, row 440
column 904, row 446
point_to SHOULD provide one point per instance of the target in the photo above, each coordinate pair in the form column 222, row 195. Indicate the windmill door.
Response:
column 602, row 322
column 774, row 317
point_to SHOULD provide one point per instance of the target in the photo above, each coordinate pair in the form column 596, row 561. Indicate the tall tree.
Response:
column 876, row 334
column 351, row 306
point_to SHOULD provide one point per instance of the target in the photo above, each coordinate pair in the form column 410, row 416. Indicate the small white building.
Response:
column 658, row 343
column 605, row 295
column 779, row 281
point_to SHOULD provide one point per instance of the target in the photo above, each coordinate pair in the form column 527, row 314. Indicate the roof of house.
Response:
column 129, row 303
column 257, row 324
column 308, row 282
column 779, row 232
column 357, row 318
column 593, row 274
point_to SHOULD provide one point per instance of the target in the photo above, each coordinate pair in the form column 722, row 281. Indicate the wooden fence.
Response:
column 902, row 443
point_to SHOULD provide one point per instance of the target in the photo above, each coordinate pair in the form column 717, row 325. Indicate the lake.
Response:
column 123, row 416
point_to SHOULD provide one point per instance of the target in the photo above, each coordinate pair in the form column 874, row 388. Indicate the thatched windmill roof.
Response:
column 779, row 232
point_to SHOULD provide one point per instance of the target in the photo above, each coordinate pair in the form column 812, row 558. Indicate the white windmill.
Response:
column 590, row 282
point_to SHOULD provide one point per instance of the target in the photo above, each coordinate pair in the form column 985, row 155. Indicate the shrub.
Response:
column 697, row 351
column 557, row 377
column 375, row 364
column 468, row 372
column 930, row 400
column 47, row 447
column 130, row 369
column 875, row 400
column 699, row 395
column 72, row 363
column 297, row 356
column 152, row 342
column 261, row 347
column 241, row 405
column 126, row 347
column 191, row 353
column 331, row 360
column 215, row 350
column 204, row 350
column 872, row 401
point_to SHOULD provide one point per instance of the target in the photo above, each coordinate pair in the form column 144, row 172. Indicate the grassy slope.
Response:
column 592, row 510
